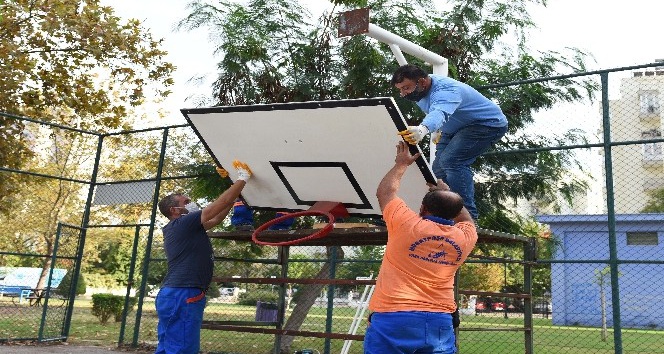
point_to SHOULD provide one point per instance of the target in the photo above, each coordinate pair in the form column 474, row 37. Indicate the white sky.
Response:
column 617, row 33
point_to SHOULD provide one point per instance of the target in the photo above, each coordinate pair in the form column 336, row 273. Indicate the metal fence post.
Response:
column 611, row 215
column 148, row 247
column 330, row 298
column 130, row 283
column 81, row 239
column 72, row 283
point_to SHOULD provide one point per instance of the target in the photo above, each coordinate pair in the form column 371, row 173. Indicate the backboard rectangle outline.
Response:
column 351, row 179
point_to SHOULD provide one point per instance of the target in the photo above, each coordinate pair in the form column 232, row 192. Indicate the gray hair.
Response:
column 167, row 203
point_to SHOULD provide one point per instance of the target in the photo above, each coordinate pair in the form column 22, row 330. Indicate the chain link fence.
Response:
column 592, row 285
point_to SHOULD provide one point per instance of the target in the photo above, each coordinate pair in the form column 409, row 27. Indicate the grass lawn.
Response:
column 22, row 321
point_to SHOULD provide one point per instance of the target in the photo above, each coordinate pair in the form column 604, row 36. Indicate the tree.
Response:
column 78, row 57
column 655, row 203
column 298, row 269
column 41, row 203
column 65, row 285
column 109, row 253
column 271, row 52
column 306, row 297
column 363, row 262
column 602, row 278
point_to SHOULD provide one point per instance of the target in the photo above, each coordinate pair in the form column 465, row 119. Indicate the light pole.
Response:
column 505, row 285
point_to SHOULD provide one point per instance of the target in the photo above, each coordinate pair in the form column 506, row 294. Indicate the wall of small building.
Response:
column 575, row 280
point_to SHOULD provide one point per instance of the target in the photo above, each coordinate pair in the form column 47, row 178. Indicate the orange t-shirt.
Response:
column 421, row 257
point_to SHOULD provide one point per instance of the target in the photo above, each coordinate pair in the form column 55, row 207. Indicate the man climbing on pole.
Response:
column 465, row 124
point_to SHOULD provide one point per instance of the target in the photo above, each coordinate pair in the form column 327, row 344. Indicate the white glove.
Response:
column 243, row 170
column 435, row 137
column 414, row 134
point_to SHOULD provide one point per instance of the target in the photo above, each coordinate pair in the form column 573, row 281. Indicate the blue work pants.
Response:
column 410, row 332
column 180, row 312
column 456, row 152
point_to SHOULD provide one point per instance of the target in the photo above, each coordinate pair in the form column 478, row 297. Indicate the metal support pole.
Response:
column 438, row 63
column 130, row 284
column 611, row 215
column 357, row 21
column 148, row 246
column 530, row 256
column 81, row 239
column 283, row 253
column 505, row 286
column 330, row 299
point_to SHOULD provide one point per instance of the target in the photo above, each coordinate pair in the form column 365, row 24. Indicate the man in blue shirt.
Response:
column 464, row 122
column 190, row 257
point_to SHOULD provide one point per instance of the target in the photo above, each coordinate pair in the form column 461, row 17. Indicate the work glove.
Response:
column 414, row 134
column 223, row 173
column 243, row 171
column 435, row 137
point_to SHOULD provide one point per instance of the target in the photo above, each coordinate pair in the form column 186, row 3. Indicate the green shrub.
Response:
column 65, row 285
column 130, row 307
column 251, row 297
column 213, row 291
column 106, row 305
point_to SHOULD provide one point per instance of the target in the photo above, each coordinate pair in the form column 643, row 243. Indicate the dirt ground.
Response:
column 61, row 348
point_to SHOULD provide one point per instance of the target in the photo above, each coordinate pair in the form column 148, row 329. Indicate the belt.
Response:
column 198, row 297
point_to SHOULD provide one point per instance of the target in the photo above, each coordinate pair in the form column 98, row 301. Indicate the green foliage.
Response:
column 130, row 306
column 156, row 269
column 251, row 297
column 105, row 306
column 213, row 291
column 65, row 285
column 298, row 267
column 209, row 183
column 603, row 276
column 363, row 262
column 277, row 58
column 108, row 256
column 655, row 203
column 96, row 280
column 72, row 62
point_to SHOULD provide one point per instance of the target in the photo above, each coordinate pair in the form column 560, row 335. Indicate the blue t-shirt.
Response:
column 451, row 105
column 188, row 252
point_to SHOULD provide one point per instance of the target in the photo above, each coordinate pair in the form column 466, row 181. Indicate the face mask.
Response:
column 417, row 94
column 192, row 207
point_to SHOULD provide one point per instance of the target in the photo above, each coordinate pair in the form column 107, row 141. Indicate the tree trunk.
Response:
column 305, row 300
column 43, row 276
column 602, row 300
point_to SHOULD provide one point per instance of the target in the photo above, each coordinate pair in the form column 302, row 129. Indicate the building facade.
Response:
column 636, row 115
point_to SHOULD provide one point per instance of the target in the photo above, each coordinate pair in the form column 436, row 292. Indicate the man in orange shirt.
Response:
column 413, row 301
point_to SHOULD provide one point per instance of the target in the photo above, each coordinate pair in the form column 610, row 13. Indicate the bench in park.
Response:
column 16, row 291
column 26, row 293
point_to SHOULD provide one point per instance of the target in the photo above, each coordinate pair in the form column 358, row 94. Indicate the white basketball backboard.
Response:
column 306, row 152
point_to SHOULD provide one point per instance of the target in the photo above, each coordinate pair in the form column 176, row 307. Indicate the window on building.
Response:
column 652, row 151
column 649, row 102
column 642, row 239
